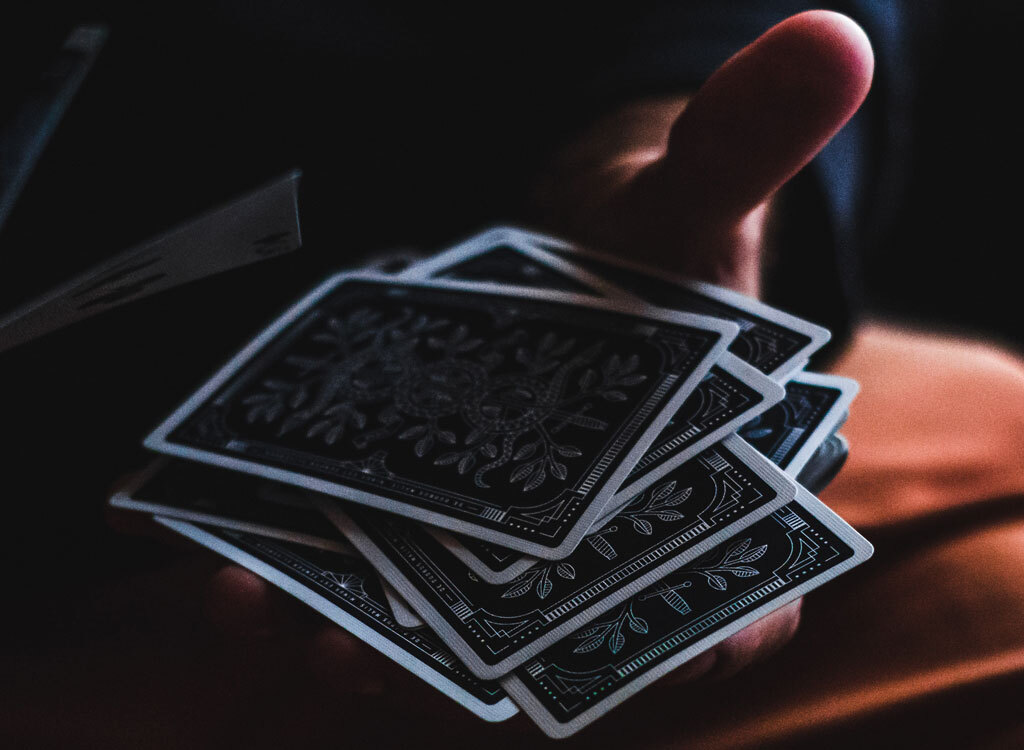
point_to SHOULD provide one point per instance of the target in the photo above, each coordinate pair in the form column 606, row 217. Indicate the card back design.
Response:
column 508, row 416
column 792, row 430
column 495, row 627
column 776, row 560
column 770, row 340
column 346, row 590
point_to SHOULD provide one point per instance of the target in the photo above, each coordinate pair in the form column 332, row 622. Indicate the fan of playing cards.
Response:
column 535, row 475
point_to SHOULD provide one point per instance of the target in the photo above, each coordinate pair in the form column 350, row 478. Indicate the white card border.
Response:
column 781, row 482
column 124, row 499
column 158, row 439
column 498, row 712
column 848, row 391
column 819, row 336
column 862, row 550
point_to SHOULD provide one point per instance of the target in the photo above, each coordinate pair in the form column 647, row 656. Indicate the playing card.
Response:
column 506, row 255
column 825, row 464
column 494, row 628
column 792, row 430
column 219, row 497
column 504, row 413
column 779, row 559
column 490, row 562
column 790, row 433
column 774, row 342
column 731, row 393
column 401, row 611
column 259, row 225
column 345, row 590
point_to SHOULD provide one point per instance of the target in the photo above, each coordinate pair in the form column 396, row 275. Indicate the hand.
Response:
column 682, row 183
column 687, row 183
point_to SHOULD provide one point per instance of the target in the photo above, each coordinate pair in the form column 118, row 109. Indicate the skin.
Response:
column 682, row 183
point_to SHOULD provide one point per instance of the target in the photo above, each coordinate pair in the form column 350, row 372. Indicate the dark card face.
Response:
column 781, row 432
column 769, row 340
column 727, row 394
column 506, row 416
column 346, row 589
column 597, row 667
column 495, row 558
column 495, row 627
column 719, row 399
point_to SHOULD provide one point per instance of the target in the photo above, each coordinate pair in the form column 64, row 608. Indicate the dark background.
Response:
column 414, row 128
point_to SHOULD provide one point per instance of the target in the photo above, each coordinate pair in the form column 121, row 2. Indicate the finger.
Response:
column 765, row 113
column 754, row 642
column 760, row 640
column 240, row 604
column 347, row 665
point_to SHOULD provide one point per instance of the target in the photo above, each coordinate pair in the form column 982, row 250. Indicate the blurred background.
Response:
column 414, row 126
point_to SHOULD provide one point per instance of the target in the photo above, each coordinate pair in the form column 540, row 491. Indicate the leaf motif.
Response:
column 317, row 428
column 520, row 472
column 737, row 548
column 676, row 602
column 669, row 515
column 467, row 463
column 616, row 642
column 634, row 379
column 755, row 554
column 423, row 445
column 716, row 582
column 587, row 646
column 476, row 435
column 587, row 379
column 518, row 588
column 544, row 587
column 591, row 631
column 413, row 432
column 744, row 571
column 558, row 469
column 566, row 570
column 602, row 547
column 446, row 459
column 631, row 364
column 643, row 526
column 524, row 451
column 333, row 434
column 489, row 450
column 298, row 398
column 359, row 419
column 680, row 498
column 614, row 396
column 568, row 451
column 273, row 412
column 447, row 437
column 664, row 491
column 536, row 480
column 637, row 624
column 293, row 421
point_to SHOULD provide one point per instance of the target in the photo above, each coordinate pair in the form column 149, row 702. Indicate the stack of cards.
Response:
column 537, row 476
